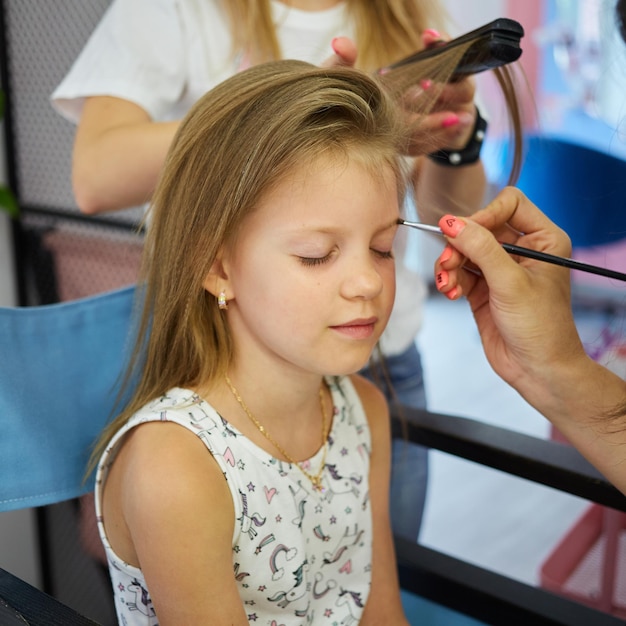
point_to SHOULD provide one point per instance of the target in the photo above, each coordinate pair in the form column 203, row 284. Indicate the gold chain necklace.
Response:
column 316, row 479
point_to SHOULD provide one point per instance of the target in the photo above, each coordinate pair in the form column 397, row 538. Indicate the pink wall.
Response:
column 528, row 13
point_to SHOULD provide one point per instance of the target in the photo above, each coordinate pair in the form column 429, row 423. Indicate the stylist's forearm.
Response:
column 587, row 403
column 120, row 167
column 457, row 190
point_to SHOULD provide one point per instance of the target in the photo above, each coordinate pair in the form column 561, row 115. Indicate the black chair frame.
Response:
column 469, row 589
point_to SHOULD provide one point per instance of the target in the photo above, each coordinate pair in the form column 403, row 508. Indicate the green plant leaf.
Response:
column 8, row 202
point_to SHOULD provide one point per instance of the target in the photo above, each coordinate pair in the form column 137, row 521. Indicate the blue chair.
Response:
column 581, row 189
column 60, row 369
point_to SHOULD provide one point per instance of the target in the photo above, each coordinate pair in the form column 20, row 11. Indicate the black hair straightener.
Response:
column 492, row 45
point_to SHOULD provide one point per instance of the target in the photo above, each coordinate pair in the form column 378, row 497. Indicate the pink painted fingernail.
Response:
column 453, row 293
column 450, row 120
column 433, row 33
column 451, row 225
column 442, row 279
column 446, row 254
column 426, row 83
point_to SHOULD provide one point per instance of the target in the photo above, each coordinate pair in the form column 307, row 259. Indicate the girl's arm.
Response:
column 384, row 605
column 118, row 155
column 168, row 511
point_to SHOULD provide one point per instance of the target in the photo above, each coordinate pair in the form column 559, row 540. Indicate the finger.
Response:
column 447, row 284
column 458, row 94
column 345, row 53
column 453, row 276
column 444, row 129
column 480, row 246
column 511, row 208
column 432, row 37
column 414, row 98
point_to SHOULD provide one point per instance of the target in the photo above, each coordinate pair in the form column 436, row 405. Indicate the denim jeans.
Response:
column 409, row 463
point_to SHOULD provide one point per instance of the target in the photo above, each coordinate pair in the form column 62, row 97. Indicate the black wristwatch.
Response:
column 451, row 157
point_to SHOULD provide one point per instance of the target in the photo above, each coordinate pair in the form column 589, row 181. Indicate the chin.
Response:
column 346, row 368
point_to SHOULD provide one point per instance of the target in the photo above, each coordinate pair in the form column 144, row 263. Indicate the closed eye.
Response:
column 312, row 261
column 383, row 254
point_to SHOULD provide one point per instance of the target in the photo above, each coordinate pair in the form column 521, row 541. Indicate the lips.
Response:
column 357, row 329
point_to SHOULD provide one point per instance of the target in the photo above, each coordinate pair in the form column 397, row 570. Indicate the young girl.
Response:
column 247, row 479
column 147, row 63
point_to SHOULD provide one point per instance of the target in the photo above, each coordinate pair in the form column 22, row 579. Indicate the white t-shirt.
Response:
column 163, row 55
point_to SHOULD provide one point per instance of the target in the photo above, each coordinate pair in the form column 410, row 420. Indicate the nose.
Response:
column 362, row 279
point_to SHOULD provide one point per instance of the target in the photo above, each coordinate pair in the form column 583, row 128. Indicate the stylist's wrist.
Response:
column 465, row 145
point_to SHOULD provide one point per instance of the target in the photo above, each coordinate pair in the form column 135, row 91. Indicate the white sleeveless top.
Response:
column 298, row 556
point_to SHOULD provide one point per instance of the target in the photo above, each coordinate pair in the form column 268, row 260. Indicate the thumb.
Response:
column 431, row 38
column 345, row 53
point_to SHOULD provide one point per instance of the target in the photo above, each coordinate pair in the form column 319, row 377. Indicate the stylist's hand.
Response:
column 521, row 306
column 449, row 124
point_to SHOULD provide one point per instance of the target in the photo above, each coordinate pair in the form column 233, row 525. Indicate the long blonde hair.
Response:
column 238, row 141
column 385, row 31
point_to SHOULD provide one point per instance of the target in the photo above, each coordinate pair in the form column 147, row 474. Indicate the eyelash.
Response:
column 313, row 261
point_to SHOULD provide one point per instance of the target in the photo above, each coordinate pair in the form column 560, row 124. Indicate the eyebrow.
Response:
column 392, row 224
column 398, row 220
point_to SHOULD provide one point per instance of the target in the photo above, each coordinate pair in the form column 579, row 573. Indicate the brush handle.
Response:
column 563, row 261
column 529, row 253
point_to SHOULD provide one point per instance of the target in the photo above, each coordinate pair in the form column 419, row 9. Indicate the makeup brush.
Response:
column 534, row 254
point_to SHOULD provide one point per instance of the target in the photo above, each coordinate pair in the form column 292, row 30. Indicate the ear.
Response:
column 217, row 280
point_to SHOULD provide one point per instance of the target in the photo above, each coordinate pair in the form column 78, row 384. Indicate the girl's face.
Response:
column 312, row 277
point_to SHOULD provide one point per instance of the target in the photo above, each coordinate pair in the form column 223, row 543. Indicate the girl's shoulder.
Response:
column 370, row 395
column 372, row 399
column 163, row 435
column 156, row 469
column 164, row 429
